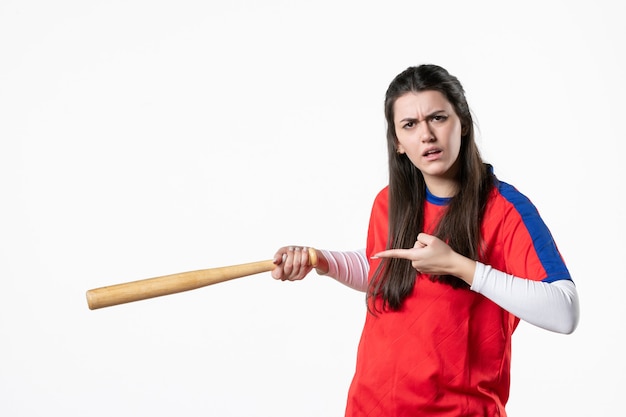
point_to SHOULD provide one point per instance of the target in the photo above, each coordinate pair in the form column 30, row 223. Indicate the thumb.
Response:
column 423, row 240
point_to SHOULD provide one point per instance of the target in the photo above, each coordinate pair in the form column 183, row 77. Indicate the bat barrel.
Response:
column 170, row 284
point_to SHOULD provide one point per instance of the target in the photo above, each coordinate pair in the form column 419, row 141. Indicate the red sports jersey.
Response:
column 447, row 352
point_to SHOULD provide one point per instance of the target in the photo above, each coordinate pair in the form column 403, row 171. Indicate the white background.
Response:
column 143, row 138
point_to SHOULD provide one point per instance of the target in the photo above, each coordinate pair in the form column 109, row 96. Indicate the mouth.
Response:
column 432, row 153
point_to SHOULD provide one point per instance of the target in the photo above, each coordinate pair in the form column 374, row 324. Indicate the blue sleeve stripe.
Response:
column 543, row 241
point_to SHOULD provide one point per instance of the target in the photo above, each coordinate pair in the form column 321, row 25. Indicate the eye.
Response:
column 408, row 125
column 439, row 118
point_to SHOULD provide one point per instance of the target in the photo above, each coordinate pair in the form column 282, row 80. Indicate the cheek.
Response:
column 455, row 149
column 399, row 137
column 402, row 144
column 455, row 140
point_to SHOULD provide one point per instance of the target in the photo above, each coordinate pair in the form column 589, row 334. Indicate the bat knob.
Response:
column 312, row 257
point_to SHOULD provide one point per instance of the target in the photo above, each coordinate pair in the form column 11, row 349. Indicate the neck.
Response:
column 441, row 187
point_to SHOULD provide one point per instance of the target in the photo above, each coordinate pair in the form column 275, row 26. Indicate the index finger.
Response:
column 394, row 253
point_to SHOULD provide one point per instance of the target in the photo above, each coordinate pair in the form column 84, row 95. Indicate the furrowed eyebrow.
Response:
column 428, row 116
column 435, row 113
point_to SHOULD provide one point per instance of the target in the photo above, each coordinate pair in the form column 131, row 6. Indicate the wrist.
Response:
column 322, row 263
column 465, row 269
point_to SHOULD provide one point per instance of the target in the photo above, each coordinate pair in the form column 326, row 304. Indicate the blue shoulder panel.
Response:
column 546, row 248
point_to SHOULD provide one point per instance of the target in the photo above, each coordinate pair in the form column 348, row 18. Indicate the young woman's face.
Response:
column 429, row 133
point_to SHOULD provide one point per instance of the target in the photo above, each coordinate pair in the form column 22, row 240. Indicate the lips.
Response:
column 432, row 153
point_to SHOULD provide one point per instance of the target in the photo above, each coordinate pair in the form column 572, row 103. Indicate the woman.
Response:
column 454, row 259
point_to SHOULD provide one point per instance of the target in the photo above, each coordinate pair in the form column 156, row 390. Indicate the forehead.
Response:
column 422, row 103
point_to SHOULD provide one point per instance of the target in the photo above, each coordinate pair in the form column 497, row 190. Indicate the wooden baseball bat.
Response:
column 175, row 283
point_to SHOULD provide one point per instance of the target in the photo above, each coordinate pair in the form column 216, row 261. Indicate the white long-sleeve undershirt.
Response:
column 552, row 306
column 350, row 268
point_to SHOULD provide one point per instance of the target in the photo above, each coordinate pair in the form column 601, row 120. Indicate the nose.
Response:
column 425, row 132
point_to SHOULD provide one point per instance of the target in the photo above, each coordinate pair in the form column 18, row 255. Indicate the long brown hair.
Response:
column 394, row 280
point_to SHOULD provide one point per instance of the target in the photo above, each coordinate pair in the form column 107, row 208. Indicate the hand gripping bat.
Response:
column 175, row 283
